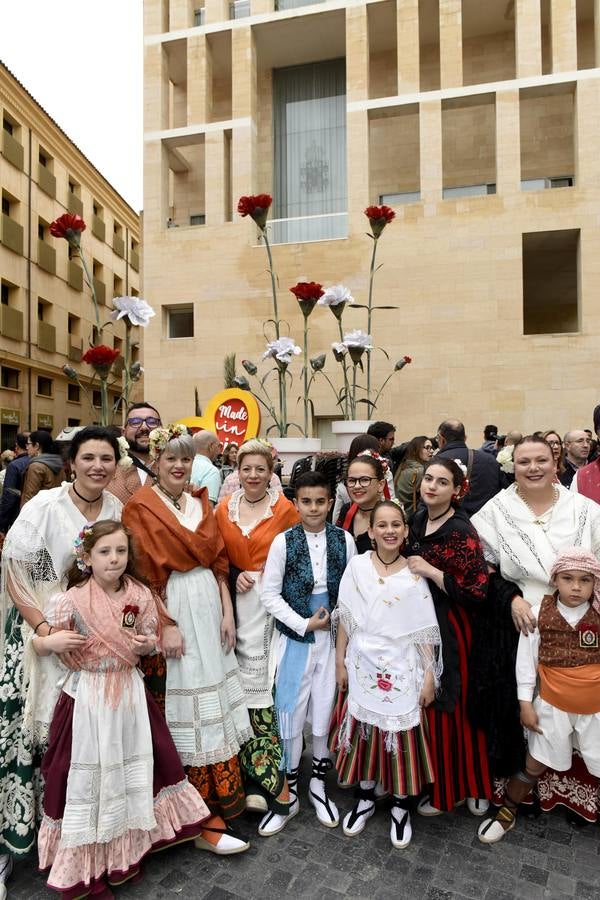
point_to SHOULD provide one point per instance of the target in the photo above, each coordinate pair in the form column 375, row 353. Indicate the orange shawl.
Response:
column 249, row 554
column 162, row 543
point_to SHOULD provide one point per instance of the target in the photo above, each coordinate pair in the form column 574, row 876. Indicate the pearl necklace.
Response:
column 538, row 519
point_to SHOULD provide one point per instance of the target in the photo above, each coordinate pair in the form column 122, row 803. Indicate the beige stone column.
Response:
column 156, row 16
column 451, row 69
column 181, row 14
column 597, row 31
column 156, row 88
column 156, row 193
column 357, row 53
column 508, row 143
column 563, row 32
column 260, row 7
column 528, row 38
column 199, row 80
column 407, row 42
column 586, row 129
column 243, row 107
column 357, row 121
column 214, row 177
column 216, row 11
column 430, row 140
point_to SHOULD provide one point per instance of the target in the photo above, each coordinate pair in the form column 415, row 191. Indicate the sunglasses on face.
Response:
column 137, row 421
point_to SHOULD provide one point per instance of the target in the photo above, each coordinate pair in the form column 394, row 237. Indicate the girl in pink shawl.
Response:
column 115, row 789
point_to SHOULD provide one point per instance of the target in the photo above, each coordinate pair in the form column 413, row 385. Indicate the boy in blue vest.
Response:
column 299, row 589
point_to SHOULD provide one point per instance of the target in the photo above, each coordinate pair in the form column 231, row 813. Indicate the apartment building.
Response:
column 478, row 122
column 46, row 313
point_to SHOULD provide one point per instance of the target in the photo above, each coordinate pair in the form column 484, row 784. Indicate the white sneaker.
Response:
column 326, row 810
column 356, row 820
column 400, row 828
column 425, row 808
column 477, row 806
column 493, row 830
column 273, row 822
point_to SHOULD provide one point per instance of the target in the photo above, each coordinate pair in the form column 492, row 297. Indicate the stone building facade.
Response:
column 479, row 123
column 46, row 313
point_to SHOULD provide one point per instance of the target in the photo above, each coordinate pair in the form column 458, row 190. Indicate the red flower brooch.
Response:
column 129, row 615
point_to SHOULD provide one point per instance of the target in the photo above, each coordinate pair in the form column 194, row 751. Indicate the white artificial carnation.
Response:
column 505, row 459
column 134, row 308
column 358, row 338
column 283, row 349
column 335, row 295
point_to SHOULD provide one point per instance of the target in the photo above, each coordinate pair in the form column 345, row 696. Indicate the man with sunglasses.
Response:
column 141, row 419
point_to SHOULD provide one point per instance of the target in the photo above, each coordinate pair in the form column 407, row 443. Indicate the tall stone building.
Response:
column 478, row 122
column 46, row 312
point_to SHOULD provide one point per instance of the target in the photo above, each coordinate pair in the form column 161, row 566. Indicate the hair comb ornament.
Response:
column 78, row 549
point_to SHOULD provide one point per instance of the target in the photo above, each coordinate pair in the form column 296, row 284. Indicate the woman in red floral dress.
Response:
column 444, row 547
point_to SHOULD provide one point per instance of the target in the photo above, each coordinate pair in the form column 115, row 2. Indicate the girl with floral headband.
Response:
column 94, row 831
column 196, row 679
column 444, row 548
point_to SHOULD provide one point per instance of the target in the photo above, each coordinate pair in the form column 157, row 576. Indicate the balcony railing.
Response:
column 468, row 190
column 75, row 349
column 100, row 289
column 75, row 275
column 47, row 181
column 302, row 230
column 46, row 257
column 47, row 337
column 12, row 234
column 12, row 150
column 98, row 227
column 11, row 322
column 135, row 260
column 239, row 9
column 74, row 204
column 292, row 4
column 119, row 245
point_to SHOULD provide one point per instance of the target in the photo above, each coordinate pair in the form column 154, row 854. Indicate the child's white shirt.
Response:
column 272, row 579
column 529, row 645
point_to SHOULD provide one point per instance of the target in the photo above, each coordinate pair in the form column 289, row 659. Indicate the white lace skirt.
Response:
column 256, row 649
column 205, row 701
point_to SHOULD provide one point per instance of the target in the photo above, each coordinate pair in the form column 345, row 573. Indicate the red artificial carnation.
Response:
column 379, row 217
column 307, row 293
column 100, row 357
column 68, row 226
column 408, row 359
column 256, row 206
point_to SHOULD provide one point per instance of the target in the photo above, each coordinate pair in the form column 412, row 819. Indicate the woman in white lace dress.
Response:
column 37, row 552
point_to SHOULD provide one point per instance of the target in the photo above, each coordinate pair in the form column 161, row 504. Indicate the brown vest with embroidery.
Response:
column 125, row 483
column 560, row 645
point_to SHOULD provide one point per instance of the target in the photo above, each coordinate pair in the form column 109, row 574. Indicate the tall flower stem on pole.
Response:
column 307, row 294
column 265, row 237
column 345, row 371
column 378, row 217
column 127, row 374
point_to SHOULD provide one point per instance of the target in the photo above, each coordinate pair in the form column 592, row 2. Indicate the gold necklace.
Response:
column 538, row 519
column 174, row 500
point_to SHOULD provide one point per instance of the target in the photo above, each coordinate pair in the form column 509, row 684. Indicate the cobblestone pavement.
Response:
column 541, row 858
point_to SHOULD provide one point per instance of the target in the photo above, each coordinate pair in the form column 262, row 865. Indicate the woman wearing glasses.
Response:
column 365, row 483
column 410, row 472
column 553, row 438
column 141, row 419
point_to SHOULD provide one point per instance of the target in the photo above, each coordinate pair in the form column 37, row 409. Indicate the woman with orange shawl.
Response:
column 248, row 521
column 182, row 556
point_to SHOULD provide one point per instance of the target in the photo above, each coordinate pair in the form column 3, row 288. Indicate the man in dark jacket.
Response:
column 13, row 484
column 485, row 477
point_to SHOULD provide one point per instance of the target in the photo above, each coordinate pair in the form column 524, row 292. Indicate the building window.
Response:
column 309, row 114
column 73, row 423
column 9, row 378
column 199, row 219
column 41, row 230
column 7, row 125
column 551, row 282
column 199, row 16
column 74, row 325
column 5, row 294
column 5, row 205
column 96, row 399
column 180, row 321
column 73, row 393
column 43, row 159
column 44, row 386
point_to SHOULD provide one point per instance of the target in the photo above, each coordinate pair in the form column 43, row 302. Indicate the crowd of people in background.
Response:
column 175, row 613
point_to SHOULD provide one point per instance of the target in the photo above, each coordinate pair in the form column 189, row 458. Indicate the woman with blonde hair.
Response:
column 248, row 521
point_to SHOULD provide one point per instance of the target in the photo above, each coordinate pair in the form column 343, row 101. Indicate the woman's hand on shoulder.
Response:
column 523, row 618
column 244, row 583
column 419, row 566
column 228, row 632
column 172, row 643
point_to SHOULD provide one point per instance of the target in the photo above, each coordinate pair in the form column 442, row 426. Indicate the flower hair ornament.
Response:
column 125, row 459
column 78, row 547
column 464, row 488
column 374, row 455
column 160, row 437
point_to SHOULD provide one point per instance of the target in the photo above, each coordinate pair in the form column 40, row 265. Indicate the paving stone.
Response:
column 564, row 884
column 531, row 873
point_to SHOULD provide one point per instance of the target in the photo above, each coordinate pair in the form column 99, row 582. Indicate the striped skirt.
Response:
column 459, row 751
column 365, row 754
